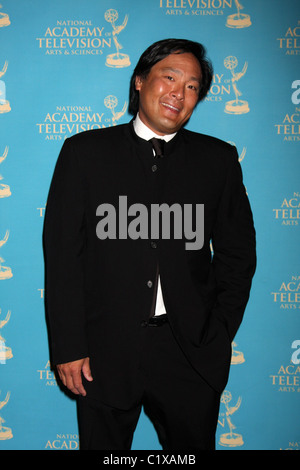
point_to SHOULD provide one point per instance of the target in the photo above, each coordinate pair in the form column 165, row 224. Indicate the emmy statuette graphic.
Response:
column 5, row 352
column 5, row 432
column 4, row 188
column 236, row 106
column 237, row 357
column 118, row 59
column 230, row 439
column 238, row 20
column 5, row 271
column 4, row 104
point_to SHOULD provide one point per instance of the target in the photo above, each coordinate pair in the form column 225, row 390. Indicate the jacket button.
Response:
column 149, row 284
column 154, row 168
column 153, row 245
column 144, row 324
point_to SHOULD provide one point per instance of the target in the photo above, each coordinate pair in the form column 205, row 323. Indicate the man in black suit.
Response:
column 140, row 311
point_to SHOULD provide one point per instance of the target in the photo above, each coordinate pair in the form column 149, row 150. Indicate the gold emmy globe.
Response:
column 118, row 59
column 111, row 102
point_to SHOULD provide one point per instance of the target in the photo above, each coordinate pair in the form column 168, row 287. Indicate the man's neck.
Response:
column 146, row 133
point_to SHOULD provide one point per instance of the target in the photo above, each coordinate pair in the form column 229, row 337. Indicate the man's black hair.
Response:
column 160, row 50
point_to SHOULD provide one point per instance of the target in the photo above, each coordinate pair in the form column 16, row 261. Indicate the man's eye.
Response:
column 168, row 77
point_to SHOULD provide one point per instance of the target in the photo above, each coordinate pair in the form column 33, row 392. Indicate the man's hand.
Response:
column 70, row 374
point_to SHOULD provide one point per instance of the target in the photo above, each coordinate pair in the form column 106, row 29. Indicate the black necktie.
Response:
column 158, row 145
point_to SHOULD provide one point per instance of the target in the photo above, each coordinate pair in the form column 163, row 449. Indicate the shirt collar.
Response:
column 144, row 132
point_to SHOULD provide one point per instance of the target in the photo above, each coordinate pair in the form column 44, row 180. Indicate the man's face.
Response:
column 169, row 94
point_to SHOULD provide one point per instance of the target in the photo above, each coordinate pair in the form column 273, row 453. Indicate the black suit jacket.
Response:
column 97, row 291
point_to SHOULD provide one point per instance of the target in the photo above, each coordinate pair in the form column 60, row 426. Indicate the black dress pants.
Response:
column 181, row 405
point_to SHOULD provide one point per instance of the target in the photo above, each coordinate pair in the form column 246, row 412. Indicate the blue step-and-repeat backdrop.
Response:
column 65, row 67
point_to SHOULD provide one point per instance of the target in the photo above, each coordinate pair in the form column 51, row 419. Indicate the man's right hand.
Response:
column 70, row 375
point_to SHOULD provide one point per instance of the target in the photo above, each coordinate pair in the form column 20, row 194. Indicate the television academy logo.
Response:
column 67, row 120
column 290, row 42
column 82, row 37
column 289, row 211
column 208, row 8
column 287, row 377
column 288, row 294
column 289, row 128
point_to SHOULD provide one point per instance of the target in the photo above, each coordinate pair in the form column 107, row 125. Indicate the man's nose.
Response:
column 178, row 91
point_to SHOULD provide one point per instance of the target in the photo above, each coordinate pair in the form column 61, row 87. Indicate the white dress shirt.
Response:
column 145, row 133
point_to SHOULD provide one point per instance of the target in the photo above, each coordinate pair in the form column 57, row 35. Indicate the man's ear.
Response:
column 138, row 83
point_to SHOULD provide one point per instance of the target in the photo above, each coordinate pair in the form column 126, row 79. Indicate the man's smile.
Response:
column 171, row 107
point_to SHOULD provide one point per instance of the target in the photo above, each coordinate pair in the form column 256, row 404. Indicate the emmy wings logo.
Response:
column 68, row 120
column 83, row 37
column 4, row 19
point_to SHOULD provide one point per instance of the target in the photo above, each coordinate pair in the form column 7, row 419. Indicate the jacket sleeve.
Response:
column 64, row 247
column 234, row 250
